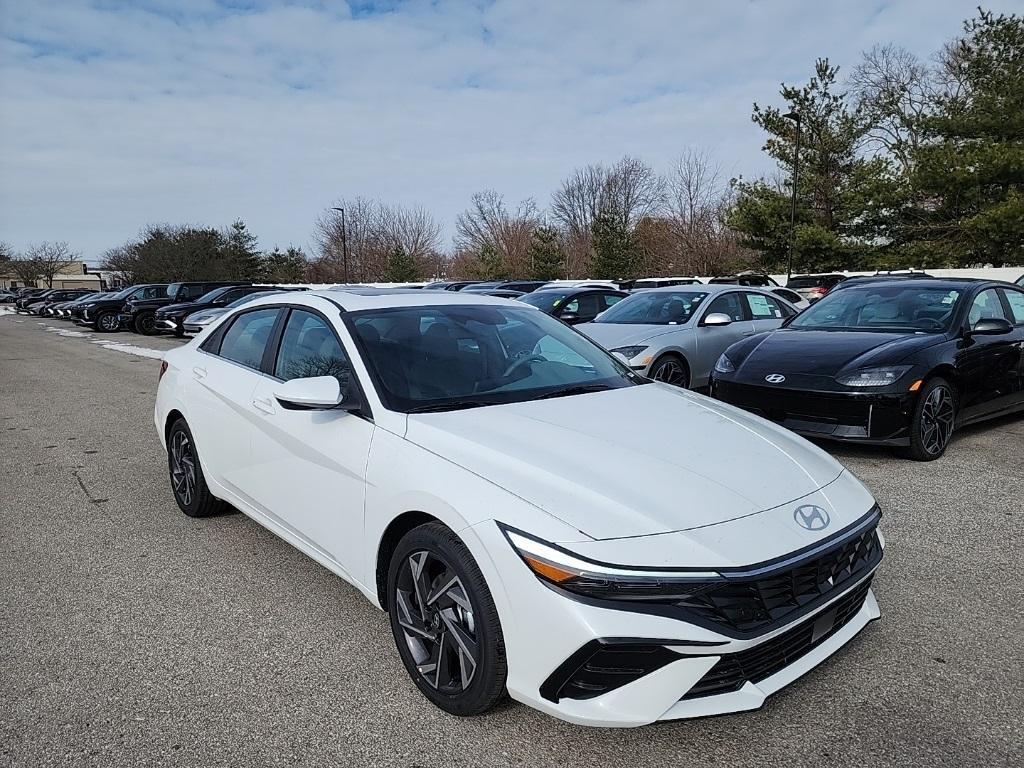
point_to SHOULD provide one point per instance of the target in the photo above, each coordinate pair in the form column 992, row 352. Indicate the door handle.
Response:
column 263, row 404
column 200, row 373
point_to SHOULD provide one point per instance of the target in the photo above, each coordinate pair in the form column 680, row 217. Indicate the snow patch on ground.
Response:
column 131, row 349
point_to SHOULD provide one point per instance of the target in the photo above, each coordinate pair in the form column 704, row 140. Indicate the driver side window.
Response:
column 727, row 304
column 986, row 306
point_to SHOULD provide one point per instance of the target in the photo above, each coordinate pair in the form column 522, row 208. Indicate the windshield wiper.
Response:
column 456, row 405
column 578, row 389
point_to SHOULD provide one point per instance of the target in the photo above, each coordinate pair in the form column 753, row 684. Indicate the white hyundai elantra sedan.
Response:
column 534, row 516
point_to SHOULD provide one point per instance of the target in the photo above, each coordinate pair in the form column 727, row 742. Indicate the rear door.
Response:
column 766, row 312
column 219, row 393
column 308, row 467
column 1014, row 305
column 712, row 341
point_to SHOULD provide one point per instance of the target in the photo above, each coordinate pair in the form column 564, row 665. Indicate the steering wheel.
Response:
column 935, row 324
column 515, row 365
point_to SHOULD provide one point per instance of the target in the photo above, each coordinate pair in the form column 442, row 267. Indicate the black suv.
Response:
column 172, row 317
column 139, row 314
column 102, row 314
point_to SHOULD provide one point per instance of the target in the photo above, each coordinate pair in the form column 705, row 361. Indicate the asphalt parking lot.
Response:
column 134, row 635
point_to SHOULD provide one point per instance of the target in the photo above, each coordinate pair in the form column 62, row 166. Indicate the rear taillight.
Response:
column 818, row 290
column 163, row 369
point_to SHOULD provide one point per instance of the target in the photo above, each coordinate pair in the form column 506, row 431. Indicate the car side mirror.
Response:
column 993, row 326
column 314, row 393
column 717, row 318
column 569, row 317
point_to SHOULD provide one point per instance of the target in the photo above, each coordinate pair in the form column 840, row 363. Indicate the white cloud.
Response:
column 190, row 110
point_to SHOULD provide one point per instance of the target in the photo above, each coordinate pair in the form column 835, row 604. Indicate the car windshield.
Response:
column 805, row 282
column 124, row 293
column 654, row 308
column 437, row 358
column 884, row 307
column 544, row 299
column 210, row 296
column 249, row 297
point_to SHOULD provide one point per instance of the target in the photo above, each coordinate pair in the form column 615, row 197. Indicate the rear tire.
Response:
column 671, row 369
column 934, row 421
column 444, row 622
column 187, row 481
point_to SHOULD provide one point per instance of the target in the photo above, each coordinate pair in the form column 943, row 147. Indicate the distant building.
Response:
column 76, row 275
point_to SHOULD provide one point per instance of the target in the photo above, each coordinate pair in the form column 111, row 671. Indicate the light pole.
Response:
column 344, row 242
column 795, row 117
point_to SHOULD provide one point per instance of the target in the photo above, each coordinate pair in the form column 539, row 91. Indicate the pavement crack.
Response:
column 92, row 499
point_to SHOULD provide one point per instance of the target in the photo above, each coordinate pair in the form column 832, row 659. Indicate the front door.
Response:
column 988, row 364
column 712, row 340
column 308, row 467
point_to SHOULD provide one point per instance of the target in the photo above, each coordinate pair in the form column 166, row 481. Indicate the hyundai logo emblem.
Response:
column 811, row 517
column 775, row 378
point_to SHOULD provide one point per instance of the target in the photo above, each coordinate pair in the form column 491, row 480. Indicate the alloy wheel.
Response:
column 183, row 468
column 437, row 621
column 108, row 323
column 671, row 372
column 937, row 418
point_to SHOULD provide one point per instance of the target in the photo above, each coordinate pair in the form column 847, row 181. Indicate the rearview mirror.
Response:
column 993, row 326
column 717, row 318
column 313, row 393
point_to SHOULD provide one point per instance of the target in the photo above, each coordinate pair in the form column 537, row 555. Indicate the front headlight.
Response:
column 627, row 352
column 724, row 365
column 874, row 377
column 90, row 305
column 565, row 570
column 200, row 319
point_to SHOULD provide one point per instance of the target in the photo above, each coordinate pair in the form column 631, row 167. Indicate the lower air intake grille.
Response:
column 764, row 660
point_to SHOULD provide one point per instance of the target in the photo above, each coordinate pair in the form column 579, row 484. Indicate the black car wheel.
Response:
column 187, row 481
column 107, row 322
column 671, row 369
column 933, row 422
column 444, row 622
column 145, row 323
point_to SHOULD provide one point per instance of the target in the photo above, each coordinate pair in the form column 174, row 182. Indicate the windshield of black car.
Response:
column 249, row 297
column 655, row 308
column 886, row 307
column 544, row 299
column 456, row 356
column 210, row 296
column 124, row 293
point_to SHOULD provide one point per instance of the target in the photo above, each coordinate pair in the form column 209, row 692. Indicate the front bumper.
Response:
column 873, row 418
column 549, row 639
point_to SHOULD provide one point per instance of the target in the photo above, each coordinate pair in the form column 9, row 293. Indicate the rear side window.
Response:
column 246, row 340
column 187, row 292
column 764, row 307
column 610, row 300
column 1016, row 302
column 310, row 348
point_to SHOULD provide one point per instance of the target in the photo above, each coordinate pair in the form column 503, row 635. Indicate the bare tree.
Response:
column 413, row 230
column 489, row 224
column 26, row 269
column 52, row 259
column 894, row 91
column 632, row 191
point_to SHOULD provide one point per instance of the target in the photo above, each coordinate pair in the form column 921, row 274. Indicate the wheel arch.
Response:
column 393, row 534
column 172, row 416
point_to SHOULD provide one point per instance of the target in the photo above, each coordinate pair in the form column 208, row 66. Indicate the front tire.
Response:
column 145, row 323
column 444, row 622
column 934, row 420
column 187, row 481
column 671, row 369
column 107, row 322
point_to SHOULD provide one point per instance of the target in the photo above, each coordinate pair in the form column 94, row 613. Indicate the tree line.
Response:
column 905, row 162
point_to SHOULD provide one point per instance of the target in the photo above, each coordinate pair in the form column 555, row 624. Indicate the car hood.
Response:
column 185, row 306
column 673, row 461
column 827, row 353
column 612, row 335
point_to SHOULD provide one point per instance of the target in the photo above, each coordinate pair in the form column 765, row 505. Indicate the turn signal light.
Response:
column 916, row 385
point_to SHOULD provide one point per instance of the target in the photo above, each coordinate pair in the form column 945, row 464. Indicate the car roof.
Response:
column 704, row 288
column 354, row 299
column 918, row 282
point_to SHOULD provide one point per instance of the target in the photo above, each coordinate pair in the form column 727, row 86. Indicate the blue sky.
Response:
column 117, row 114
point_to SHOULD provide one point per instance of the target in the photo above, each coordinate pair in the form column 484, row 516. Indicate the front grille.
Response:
column 762, row 661
column 800, row 405
column 747, row 606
